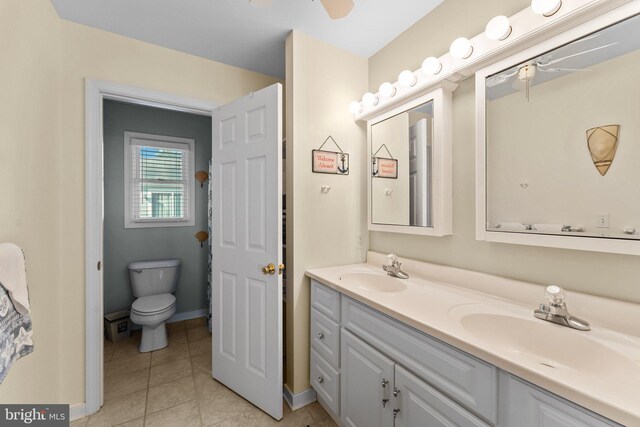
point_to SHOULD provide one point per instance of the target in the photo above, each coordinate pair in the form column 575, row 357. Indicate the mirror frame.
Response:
column 594, row 244
column 442, row 196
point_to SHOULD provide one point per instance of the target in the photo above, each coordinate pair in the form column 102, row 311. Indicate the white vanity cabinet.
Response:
column 367, row 384
column 370, row 370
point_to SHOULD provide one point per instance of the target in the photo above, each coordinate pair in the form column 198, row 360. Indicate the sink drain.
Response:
column 548, row 365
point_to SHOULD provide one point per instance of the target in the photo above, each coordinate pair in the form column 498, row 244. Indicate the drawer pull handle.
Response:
column 320, row 380
column 396, row 392
column 384, row 402
column 384, row 383
column 320, row 335
column 395, row 413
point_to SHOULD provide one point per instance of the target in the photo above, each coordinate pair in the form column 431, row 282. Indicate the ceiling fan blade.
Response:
column 555, row 61
column 560, row 70
column 337, row 8
column 500, row 78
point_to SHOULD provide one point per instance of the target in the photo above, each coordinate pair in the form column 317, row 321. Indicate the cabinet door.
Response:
column 367, row 381
column 529, row 406
column 417, row 405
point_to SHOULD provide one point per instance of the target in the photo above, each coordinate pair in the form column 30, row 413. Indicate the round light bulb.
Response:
column 461, row 48
column 407, row 78
column 387, row 90
column 431, row 66
column 369, row 99
column 355, row 107
column 499, row 28
column 545, row 7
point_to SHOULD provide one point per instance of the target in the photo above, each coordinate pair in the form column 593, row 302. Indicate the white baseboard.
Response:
column 178, row 317
column 77, row 411
column 298, row 400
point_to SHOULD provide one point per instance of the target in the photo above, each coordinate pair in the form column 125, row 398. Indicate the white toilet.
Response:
column 153, row 284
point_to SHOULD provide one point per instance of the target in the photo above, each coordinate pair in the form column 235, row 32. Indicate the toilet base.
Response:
column 153, row 338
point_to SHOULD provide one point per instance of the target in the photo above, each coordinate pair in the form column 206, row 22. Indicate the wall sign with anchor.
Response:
column 332, row 162
column 384, row 167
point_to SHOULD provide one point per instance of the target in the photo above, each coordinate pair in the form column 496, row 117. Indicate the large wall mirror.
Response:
column 559, row 142
column 410, row 167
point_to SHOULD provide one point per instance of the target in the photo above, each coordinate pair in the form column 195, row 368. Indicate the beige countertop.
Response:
column 597, row 369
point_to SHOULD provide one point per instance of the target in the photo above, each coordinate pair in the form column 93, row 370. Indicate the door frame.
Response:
column 96, row 91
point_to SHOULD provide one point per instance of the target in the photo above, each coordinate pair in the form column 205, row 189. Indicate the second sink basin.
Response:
column 541, row 342
column 375, row 282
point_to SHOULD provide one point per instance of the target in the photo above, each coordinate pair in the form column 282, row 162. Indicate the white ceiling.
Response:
column 236, row 33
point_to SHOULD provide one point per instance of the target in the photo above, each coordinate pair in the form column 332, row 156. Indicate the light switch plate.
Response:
column 602, row 220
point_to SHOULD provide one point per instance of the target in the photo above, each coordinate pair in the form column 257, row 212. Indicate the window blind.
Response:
column 160, row 178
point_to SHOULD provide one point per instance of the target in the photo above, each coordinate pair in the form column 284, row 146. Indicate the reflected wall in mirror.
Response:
column 540, row 174
column 401, row 168
column 409, row 148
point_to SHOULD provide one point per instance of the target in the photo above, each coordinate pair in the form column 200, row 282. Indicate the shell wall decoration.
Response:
column 602, row 142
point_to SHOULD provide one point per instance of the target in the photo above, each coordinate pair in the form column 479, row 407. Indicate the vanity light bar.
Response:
column 502, row 37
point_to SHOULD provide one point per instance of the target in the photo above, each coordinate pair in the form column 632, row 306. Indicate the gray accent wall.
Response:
column 122, row 246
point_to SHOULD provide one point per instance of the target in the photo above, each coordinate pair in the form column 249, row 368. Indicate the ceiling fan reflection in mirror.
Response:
column 335, row 8
column 523, row 75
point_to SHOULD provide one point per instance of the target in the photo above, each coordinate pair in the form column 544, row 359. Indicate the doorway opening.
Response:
column 97, row 93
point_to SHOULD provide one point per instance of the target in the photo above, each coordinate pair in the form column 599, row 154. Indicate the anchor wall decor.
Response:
column 602, row 142
column 332, row 162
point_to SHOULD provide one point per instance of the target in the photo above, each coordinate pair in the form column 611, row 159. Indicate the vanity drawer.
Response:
column 467, row 380
column 529, row 406
column 326, row 382
column 325, row 337
column 325, row 300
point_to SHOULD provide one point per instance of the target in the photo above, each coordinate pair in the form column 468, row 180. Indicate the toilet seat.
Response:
column 153, row 304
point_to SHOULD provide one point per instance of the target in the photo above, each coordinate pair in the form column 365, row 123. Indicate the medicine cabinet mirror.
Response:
column 559, row 141
column 410, row 167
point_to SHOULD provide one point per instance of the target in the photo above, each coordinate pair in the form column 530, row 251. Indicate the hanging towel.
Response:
column 16, row 336
column 13, row 276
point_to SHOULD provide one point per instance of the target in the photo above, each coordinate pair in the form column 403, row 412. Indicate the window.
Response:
column 158, row 181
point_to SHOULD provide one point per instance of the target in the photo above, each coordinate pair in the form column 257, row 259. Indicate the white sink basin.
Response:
column 541, row 342
column 375, row 282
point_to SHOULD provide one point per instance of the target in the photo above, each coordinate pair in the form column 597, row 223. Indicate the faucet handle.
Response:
column 556, row 296
column 392, row 258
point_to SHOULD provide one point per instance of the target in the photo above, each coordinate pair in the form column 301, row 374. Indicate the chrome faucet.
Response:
column 393, row 268
column 556, row 310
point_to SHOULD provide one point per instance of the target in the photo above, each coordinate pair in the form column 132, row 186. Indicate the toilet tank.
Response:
column 154, row 277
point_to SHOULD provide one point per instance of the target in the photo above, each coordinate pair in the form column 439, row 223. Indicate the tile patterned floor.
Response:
column 173, row 387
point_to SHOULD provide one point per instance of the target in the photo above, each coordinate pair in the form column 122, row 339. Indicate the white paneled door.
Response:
column 247, row 247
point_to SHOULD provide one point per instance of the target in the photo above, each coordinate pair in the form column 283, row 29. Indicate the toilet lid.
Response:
column 153, row 304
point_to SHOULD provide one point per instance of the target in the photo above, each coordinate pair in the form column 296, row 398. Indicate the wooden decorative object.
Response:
column 602, row 142
column 202, row 236
column 201, row 177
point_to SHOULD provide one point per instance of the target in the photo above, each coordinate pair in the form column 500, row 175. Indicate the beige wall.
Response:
column 609, row 275
column 45, row 62
column 321, row 228
column 30, row 149
column 537, row 142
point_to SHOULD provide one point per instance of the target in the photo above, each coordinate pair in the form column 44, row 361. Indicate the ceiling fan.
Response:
column 335, row 8
column 525, row 73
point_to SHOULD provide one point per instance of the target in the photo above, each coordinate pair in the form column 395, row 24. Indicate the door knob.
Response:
column 269, row 269
column 281, row 269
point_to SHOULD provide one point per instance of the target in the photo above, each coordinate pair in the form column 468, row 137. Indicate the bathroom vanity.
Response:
column 431, row 351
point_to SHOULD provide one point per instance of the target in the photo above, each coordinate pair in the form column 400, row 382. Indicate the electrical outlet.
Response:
column 602, row 220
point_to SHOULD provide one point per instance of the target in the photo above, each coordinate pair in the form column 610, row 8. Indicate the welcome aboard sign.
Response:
column 331, row 162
